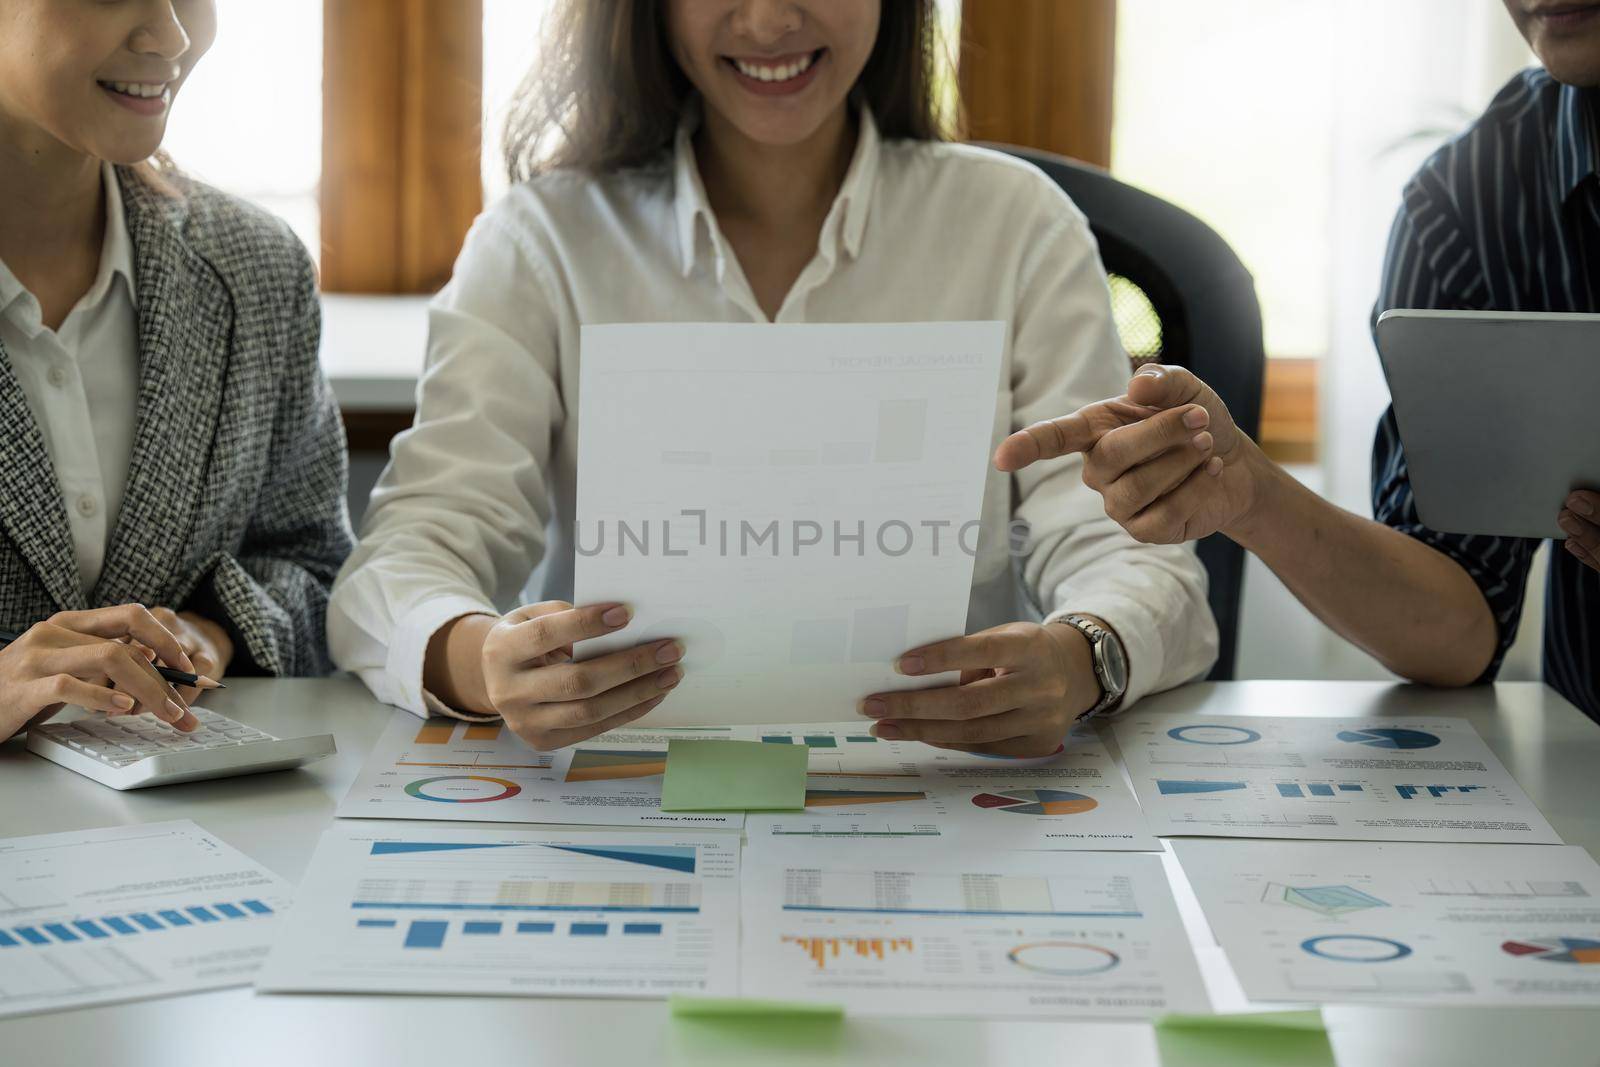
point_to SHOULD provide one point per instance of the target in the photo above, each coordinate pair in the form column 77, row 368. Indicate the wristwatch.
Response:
column 1110, row 662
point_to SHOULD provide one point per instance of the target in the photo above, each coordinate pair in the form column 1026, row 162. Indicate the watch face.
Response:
column 1114, row 663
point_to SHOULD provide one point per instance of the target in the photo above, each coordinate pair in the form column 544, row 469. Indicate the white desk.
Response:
column 1550, row 747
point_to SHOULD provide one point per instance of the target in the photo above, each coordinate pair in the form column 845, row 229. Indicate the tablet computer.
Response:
column 1499, row 413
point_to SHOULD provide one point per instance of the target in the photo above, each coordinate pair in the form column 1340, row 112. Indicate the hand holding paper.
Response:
column 1022, row 687
column 798, row 505
column 522, row 666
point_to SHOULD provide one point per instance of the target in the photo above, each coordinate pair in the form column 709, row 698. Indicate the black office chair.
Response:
column 1179, row 296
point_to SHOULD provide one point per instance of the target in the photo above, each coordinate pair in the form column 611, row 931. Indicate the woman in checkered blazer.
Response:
column 172, row 465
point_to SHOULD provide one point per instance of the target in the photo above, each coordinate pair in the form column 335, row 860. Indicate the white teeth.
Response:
column 141, row 89
column 774, row 74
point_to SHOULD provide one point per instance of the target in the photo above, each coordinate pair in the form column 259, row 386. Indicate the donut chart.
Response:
column 1063, row 958
column 1356, row 948
column 1208, row 734
column 462, row 789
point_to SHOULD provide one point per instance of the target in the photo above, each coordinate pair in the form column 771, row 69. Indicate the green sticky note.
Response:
column 738, row 1007
column 734, row 776
column 1265, row 1039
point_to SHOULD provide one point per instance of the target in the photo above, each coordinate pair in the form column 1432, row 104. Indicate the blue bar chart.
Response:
column 513, row 911
column 431, row 933
column 127, row 912
column 126, row 925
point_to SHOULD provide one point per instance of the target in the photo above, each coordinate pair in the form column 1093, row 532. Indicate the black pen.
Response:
column 176, row 677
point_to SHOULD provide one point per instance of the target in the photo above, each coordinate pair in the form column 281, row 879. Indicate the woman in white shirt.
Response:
column 171, row 463
column 739, row 161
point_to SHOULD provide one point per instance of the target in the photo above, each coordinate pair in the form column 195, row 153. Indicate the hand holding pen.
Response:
column 93, row 658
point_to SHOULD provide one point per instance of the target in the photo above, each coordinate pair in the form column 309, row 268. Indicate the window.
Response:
column 249, row 120
column 510, row 40
column 1227, row 109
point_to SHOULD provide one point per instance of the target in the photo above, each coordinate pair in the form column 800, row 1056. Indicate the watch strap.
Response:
column 1109, row 697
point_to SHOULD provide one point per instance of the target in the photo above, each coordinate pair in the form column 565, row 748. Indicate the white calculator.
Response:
column 135, row 751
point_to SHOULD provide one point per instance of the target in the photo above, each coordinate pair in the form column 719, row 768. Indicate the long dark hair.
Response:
column 606, row 93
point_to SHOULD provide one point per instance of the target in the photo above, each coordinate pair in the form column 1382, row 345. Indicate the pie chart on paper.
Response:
column 1389, row 737
column 1556, row 949
column 1037, row 802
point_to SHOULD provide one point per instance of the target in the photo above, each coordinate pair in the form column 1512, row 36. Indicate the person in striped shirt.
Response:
column 1505, row 217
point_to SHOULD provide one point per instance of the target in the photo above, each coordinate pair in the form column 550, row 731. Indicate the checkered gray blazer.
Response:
column 235, row 502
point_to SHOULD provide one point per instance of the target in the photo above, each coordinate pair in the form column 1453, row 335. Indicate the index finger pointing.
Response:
column 1046, row 440
column 1062, row 436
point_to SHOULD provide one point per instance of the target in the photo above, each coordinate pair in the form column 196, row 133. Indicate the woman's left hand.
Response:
column 205, row 643
column 1022, row 686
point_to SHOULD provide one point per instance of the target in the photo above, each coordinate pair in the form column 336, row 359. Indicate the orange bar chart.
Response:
column 435, row 732
column 487, row 731
column 822, row 949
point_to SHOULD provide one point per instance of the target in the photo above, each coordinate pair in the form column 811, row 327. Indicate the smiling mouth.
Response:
column 138, row 90
column 1565, row 14
column 773, row 72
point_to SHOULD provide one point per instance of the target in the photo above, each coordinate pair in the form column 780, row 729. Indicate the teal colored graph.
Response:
column 1329, row 900
column 1410, row 792
column 1176, row 787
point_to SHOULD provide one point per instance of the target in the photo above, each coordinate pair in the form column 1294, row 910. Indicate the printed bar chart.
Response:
column 1410, row 792
column 433, row 933
column 1316, row 789
column 103, row 915
column 435, row 732
column 133, row 923
column 821, row 949
column 426, row 934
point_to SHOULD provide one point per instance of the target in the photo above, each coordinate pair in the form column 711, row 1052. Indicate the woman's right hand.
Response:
column 550, row 701
column 93, row 659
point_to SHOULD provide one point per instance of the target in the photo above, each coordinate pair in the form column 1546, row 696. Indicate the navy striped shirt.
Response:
column 1507, row 218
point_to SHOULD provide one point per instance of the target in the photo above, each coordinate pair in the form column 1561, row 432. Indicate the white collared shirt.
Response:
column 82, row 383
column 481, row 489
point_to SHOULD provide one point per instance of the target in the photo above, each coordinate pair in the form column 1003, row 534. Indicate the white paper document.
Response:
column 916, row 928
column 482, row 772
column 863, row 789
column 129, row 912
column 1411, row 923
column 859, row 786
column 515, row 912
column 798, row 504
column 1390, row 779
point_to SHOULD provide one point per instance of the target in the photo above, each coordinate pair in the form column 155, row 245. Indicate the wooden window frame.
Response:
column 1040, row 74
column 401, row 146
